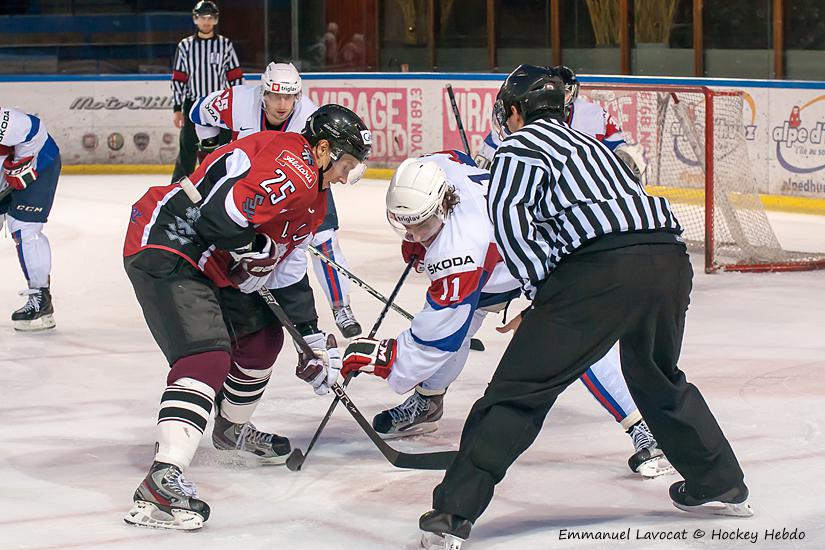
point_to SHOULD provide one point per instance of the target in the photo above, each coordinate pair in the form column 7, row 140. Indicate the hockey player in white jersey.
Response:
column 277, row 103
column 582, row 115
column 28, row 180
column 439, row 201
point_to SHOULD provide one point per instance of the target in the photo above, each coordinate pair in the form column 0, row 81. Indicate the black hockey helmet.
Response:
column 205, row 7
column 343, row 129
column 536, row 92
column 571, row 84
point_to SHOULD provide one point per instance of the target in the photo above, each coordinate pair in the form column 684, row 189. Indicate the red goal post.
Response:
column 691, row 145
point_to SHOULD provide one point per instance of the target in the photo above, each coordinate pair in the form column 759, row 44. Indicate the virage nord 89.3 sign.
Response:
column 393, row 114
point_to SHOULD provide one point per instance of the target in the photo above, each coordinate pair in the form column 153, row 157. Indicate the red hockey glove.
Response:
column 252, row 266
column 20, row 174
column 370, row 356
column 410, row 249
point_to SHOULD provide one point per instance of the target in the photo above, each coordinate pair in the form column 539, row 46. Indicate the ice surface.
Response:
column 79, row 405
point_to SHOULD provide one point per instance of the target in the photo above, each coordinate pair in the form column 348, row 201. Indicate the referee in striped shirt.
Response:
column 204, row 63
column 602, row 261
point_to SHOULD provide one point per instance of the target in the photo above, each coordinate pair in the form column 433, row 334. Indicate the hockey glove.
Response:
column 410, row 249
column 254, row 264
column 370, row 356
column 320, row 371
column 20, row 174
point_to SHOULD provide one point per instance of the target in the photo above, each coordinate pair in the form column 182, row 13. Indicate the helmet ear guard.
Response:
column 343, row 129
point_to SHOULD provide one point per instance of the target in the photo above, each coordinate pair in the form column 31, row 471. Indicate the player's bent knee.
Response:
column 210, row 367
column 24, row 232
column 260, row 349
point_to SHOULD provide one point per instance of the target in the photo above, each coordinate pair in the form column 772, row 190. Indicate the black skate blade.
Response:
column 295, row 460
column 476, row 345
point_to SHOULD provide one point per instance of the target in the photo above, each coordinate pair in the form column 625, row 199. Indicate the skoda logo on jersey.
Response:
column 4, row 124
column 442, row 265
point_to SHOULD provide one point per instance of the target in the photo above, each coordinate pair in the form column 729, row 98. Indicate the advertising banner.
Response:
column 129, row 121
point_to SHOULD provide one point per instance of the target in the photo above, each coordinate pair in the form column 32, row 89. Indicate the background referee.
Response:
column 204, row 63
column 602, row 261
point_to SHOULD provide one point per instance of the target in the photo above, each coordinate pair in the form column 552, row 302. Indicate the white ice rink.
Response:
column 78, row 407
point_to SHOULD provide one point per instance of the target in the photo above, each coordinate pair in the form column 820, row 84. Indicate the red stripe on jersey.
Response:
column 610, row 127
column 234, row 74
column 226, row 116
column 180, row 76
column 6, row 150
column 492, row 258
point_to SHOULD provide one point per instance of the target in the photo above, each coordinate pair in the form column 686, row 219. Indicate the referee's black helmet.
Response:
column 205, row 7
column 343, row 129
column 535, row 92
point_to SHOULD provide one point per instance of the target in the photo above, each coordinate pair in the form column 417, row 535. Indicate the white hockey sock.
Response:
column 242, row 391
column 184, row 412
column 33, row 251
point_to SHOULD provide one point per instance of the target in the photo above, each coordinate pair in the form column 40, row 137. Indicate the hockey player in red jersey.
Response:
column 196, row 252
column 279, row 103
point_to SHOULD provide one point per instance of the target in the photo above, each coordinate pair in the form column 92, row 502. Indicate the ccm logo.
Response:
column 450, row 262
column 24, row 208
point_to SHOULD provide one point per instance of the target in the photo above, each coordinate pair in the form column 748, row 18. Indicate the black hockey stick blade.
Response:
column 440, row 460
column 414, row 461
column 477, row 345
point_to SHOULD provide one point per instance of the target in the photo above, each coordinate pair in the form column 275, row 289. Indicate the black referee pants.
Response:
column 637, row 295
column 188, row 144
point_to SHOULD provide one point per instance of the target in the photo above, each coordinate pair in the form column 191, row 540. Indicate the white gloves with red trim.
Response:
column 320, row 371
column 252, row 266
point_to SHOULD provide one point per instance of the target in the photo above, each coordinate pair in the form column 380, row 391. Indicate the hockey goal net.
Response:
column 691, row 141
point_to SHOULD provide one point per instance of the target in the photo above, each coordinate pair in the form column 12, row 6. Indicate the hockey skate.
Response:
column 417, row 415
column 166, row 500
column 730, row 503
column 648, row 460
column 37, row 313
column 268, row 448
column 344, row 318
column 443, row 531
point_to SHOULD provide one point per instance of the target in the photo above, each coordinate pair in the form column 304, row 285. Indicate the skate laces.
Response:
column 175, row 482
column 409, row 409
column 642, row 438
column 249, row 434
column 33, row 302
column 344, row 316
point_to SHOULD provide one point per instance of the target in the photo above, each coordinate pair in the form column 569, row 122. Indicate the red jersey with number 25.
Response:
column 264, row 183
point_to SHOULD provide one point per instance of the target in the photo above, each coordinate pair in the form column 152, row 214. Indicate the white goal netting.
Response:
column 692, row 141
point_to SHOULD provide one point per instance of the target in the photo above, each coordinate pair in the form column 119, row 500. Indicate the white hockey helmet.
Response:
column 415, row 197
column 281, row 78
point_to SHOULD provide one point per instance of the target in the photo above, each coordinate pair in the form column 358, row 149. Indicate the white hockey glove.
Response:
column 320, row 371
column 254, row 264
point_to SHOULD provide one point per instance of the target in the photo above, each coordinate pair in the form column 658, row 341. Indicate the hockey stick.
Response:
column 458, row 120
column 475, row 344
column 297, row 457
column 5, row 192
column 423, row 461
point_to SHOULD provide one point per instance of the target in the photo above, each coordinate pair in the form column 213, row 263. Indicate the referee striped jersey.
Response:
column 203, row 66
column 555, row 189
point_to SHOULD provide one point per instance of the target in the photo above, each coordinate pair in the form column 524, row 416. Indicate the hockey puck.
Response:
column 477, row 345
column 295, row 460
